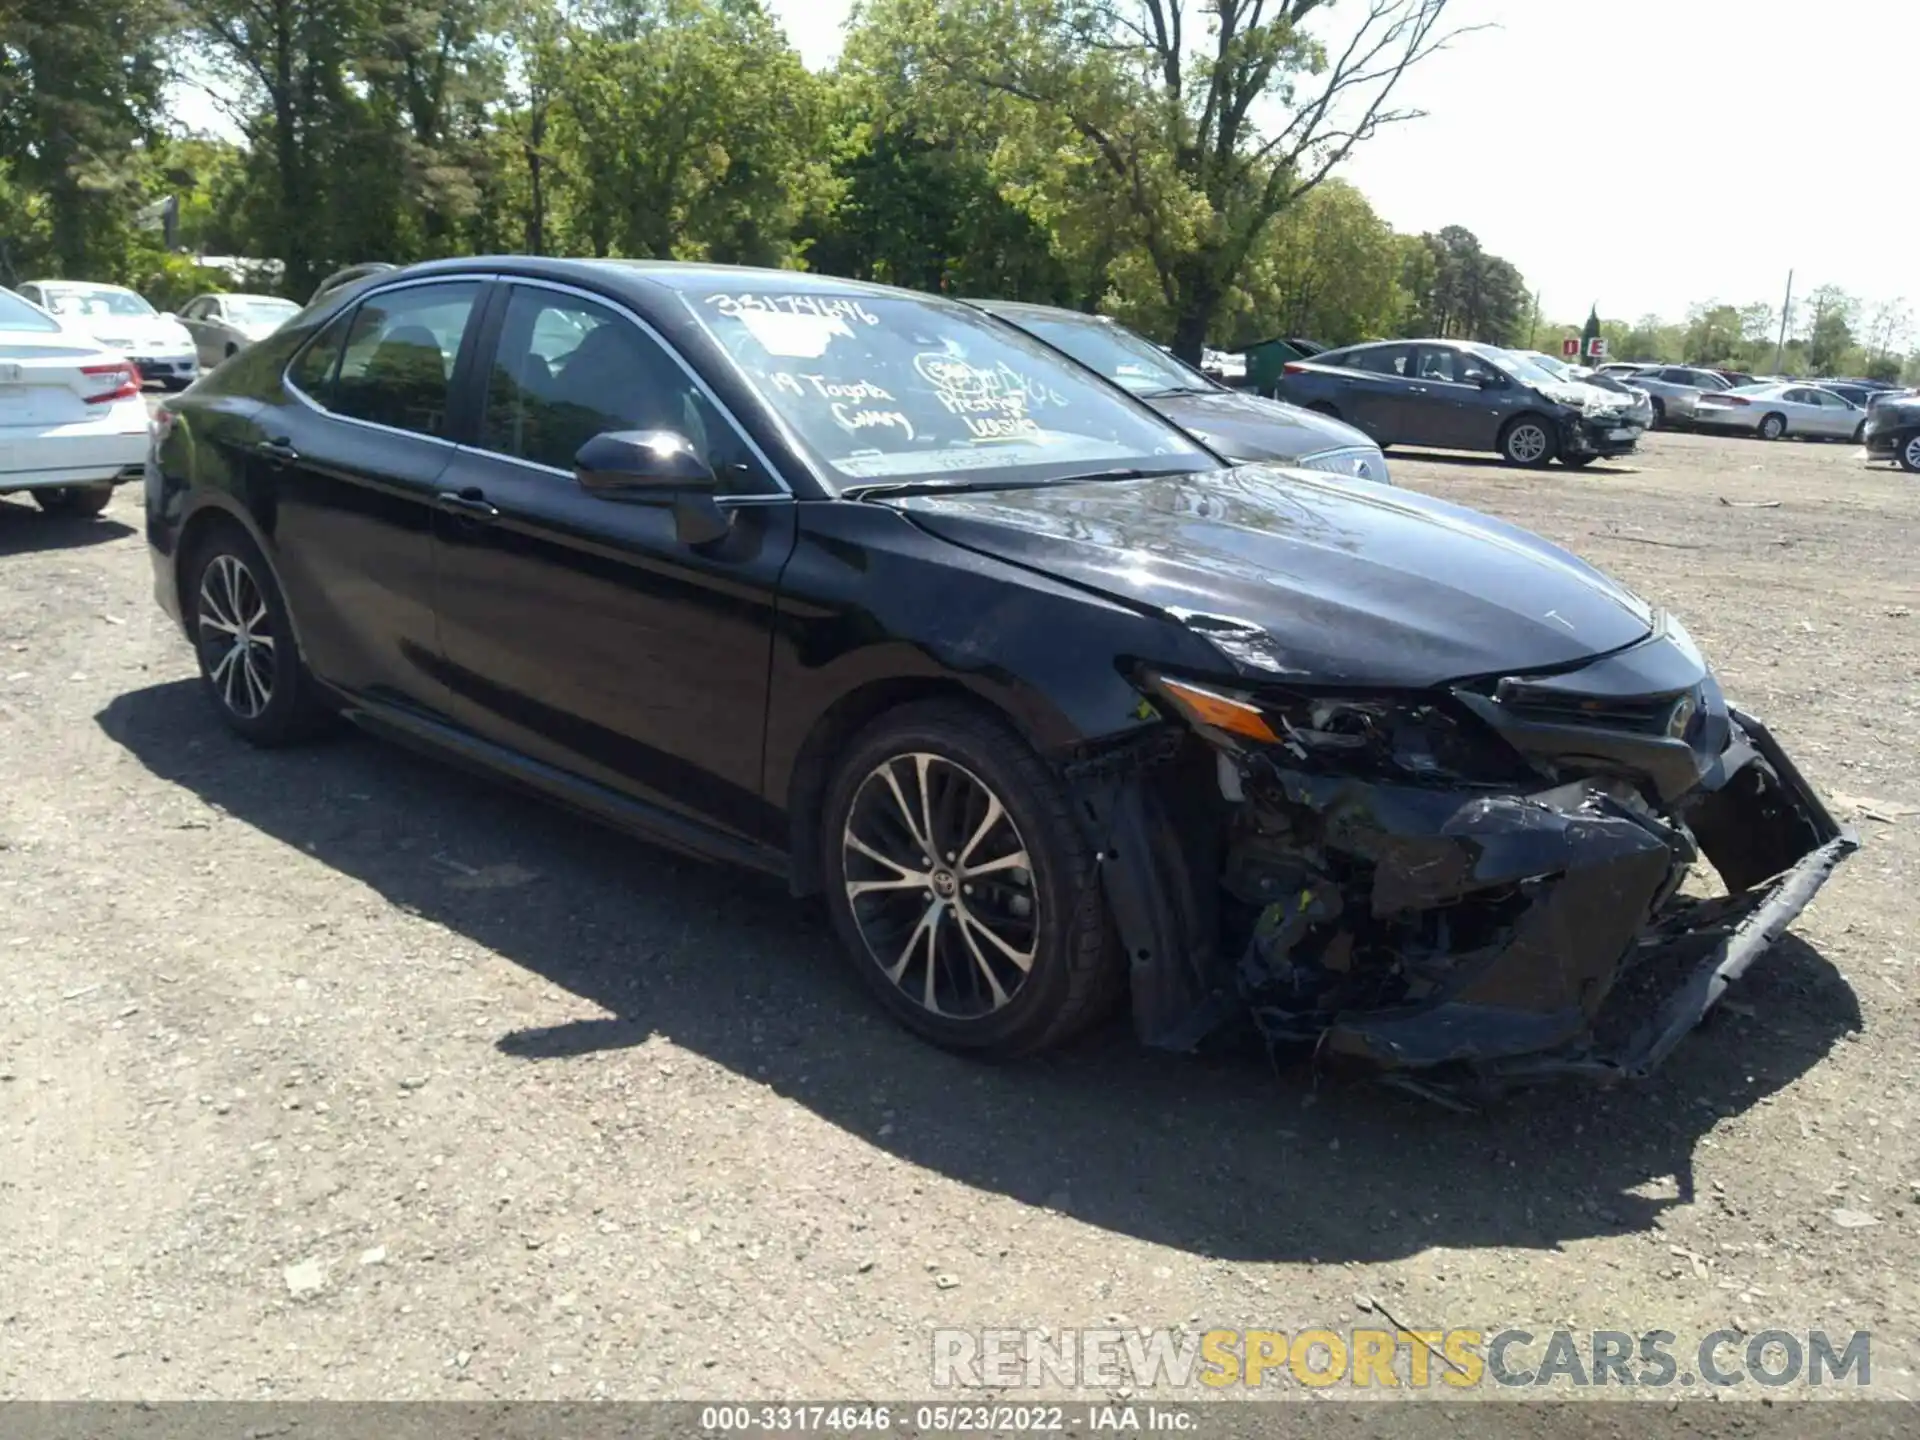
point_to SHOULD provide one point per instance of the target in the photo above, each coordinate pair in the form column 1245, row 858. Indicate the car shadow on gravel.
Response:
column 1222, row 1155
column 1618, row 465
column 24, row 529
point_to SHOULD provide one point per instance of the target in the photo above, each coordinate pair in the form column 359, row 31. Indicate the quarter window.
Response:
column 1384, row 359
column 567, row 369
column 312, row 369
column 397, row 365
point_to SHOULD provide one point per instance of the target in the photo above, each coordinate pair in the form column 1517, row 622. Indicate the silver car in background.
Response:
column 1771, row 411
column 224, row 324
column 1674, row 389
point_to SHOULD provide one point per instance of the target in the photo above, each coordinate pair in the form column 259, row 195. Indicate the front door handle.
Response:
column 279, row 449
column 471, row 503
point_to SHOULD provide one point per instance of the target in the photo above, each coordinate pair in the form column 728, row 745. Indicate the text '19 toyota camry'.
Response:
column 872, row 591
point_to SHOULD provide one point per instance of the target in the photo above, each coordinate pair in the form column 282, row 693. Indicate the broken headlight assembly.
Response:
column 1405, row 738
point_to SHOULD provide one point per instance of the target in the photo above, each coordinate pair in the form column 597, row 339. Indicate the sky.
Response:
column 1761, row 146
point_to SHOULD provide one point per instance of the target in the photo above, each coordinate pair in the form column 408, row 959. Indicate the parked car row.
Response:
column 1056, row 706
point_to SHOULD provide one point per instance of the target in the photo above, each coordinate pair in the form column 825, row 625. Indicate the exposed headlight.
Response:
column 1361, row 462
column 1409, row 738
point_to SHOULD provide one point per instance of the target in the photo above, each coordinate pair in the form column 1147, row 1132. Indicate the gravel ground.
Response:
column 337, row 1073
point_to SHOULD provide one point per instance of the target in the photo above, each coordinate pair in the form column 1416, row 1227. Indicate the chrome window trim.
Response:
column 720, row 407
column 541, row 468
column 286, row 373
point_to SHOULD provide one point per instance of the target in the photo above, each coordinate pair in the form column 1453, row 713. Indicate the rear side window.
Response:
column 397, row 366
column 17, row 314
column 1384, row 359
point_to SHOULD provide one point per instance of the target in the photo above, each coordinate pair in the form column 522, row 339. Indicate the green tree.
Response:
column 80, row 100
column 1830, row 312
column 1328, row 268
column 1205, row 122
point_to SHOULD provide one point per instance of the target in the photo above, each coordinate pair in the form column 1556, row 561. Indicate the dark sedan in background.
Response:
column 1239, row 425
column 1893, row 430
column 876, row 593
column 1455, row 395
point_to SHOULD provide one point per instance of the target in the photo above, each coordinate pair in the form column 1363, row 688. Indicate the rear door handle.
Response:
column 471, row 503
column 280, row 449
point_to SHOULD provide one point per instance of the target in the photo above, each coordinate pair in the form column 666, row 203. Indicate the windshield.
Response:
column 1517, row 365
column 259, row 309
column 89, row 303
column 17, row 314
column 1123, row 357
column 1547, row 363
column 879, row 387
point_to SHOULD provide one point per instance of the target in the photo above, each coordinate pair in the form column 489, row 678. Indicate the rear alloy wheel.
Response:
column 1910, row 452
column 241, row 634
column 1772, row 427
column 75, row 500
column 1528, row 441
column 962, row 888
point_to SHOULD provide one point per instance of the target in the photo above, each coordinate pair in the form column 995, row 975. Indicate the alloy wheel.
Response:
column 1527, row 443
column 940, row 886
column 1910, row 453
column 236, row 637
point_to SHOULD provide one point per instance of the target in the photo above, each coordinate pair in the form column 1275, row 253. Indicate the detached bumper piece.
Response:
column 1463, row 940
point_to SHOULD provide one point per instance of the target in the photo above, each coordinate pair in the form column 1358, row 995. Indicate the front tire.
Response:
column 74, row 500
column 1909, row 452
column 1528, row 441
column 249, row 664
column 963, row 890
column 1772, row 427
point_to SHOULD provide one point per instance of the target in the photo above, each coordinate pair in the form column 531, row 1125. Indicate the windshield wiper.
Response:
column 1173, row 390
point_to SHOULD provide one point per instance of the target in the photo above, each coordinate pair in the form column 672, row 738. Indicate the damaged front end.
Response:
column 1465, row 888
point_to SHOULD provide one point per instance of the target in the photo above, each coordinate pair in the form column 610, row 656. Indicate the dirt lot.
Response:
column 338, row 1073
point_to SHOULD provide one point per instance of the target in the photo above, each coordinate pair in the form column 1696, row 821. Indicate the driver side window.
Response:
column 567, row 369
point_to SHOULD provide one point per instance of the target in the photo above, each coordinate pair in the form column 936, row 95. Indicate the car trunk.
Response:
column 44, row 384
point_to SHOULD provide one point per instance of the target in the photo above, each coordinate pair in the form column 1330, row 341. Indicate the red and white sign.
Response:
column 1570, row 348
column 1596, row 348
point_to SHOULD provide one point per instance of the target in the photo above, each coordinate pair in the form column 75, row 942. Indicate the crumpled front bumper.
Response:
column 1607, row 969
column 1463, row 939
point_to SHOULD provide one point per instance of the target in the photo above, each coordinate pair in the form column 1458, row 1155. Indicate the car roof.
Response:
column 84, row 285
column 656, row 275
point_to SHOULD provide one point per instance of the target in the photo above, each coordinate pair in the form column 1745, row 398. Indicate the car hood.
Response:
column 1292, row 575
column 1587, row 399
column 1250, row 427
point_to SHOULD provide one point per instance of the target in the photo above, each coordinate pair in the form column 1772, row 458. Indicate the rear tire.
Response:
column 77, row 501
column 961, row 886
column 1772, row 427
column 243, row 637
column 1529, row 441
column 1659, row 413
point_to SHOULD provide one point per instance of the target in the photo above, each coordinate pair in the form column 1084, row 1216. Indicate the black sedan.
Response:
column 1239, row 425
column 1892, row 431
column 876, row 593
column 1454, row 395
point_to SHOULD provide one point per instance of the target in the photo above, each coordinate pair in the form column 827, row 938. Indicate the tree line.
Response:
column 1171, row 162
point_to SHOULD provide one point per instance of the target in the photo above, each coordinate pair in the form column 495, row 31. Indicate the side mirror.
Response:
column 655, row 467
column 643, row 465
column 1488, row 380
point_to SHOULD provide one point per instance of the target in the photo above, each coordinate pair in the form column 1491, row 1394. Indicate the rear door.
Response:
column 353, row 461
column 1380, row 400
column 579, row 629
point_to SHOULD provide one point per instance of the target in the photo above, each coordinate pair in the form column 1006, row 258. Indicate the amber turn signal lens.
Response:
column 1221, row 712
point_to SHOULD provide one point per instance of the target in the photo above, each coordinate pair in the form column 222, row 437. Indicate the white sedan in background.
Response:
column 73, row 423
column 1771, row 411
column 225, row 324
column 121, row 319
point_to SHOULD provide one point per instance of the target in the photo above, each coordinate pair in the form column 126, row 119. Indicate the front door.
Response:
column 1455, row 412
column 581, row 630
